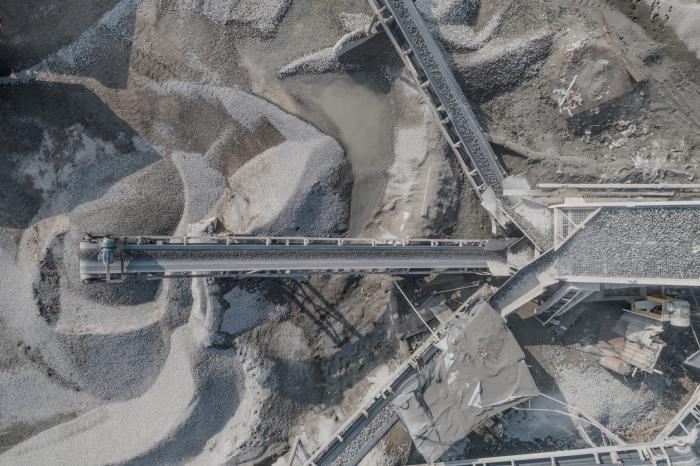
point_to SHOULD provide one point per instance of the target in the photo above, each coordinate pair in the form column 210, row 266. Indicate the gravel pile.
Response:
column 353, row 21
column 112, row 32
column 202, row 186
column 200, row 389
column 451, row 96
column 658, row 242
column 247, row 309
column 322, row 61
column 464, row 38
column 263, row 15
column 501, row 66
column 298, row 187
column 453, row 21
column 628, row 406
column 328, row 59
column 449, row 11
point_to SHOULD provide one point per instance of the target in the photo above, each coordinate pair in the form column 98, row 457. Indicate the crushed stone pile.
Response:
column 113, row 354
column 263, row 15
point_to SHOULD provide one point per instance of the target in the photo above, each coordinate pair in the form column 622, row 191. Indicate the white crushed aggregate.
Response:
column 311, row 200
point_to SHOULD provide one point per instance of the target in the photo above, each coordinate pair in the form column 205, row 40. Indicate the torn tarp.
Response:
column 480, row 372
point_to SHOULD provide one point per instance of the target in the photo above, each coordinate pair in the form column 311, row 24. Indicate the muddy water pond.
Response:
column 355, row 109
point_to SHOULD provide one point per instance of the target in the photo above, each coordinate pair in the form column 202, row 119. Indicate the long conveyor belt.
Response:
column 157, row 257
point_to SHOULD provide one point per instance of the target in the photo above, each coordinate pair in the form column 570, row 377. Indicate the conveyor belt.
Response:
column 426, row 62
column 153, row 257
column 643, row 244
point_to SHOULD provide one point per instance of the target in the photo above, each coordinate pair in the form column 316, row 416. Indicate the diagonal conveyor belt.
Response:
column 426, row 62
column 230, row 256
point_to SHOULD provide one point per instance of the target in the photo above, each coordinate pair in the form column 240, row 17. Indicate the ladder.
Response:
column 563, row 300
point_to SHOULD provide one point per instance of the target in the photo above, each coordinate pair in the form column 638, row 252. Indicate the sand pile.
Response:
column 421, row 194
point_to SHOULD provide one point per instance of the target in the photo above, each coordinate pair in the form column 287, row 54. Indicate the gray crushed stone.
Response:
column 501, row 66
column 452, row 21
column 352, row 21
column 113, row 31
column 643, row 242
column 371, row 254
column 449, row 11
column 322, row 61
column 328, row 59
column 648, row 242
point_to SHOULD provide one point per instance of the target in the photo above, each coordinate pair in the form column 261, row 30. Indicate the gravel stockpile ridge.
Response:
column 113, row 30
column 449, row 11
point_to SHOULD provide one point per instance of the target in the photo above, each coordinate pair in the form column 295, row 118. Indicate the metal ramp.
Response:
column 562, row 301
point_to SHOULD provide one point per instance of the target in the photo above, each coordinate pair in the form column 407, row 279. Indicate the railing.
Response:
column 294, row 241
column 670, row 452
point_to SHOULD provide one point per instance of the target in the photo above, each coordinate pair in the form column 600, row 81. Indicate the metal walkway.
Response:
column 684, row 421
column 161, row 257
column 671, row 452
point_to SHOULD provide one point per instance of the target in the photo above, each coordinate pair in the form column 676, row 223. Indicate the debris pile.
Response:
column 479, row 373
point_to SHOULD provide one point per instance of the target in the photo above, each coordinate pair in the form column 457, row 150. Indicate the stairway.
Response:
column 563, row 300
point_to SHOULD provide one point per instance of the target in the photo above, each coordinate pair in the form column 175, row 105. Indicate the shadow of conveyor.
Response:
column 324, row 314
column 356, row 353
column 34, row 30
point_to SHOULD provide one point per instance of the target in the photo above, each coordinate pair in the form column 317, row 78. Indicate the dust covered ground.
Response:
column 137, row 117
